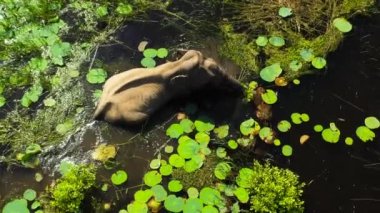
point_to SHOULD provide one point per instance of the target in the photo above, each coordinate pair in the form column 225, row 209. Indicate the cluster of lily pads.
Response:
column 149, row 55
column 24, row 205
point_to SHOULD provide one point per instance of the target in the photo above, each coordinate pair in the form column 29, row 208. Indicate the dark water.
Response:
column 339, row 178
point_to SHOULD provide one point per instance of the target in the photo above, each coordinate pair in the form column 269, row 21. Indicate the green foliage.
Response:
column 277, row 41
column 269, row 97
column 119, row 177
column 287, row 150
column 270, row 73
column 174, row 131
column 284, row 126
column 159, row 193
column 175, row 186
column 249, row 127
column 152, row 178
column 331, row 134
column 318, row 62
column 71, row 188
column 17, row 205
column 174, row 204
column 342, row 25
column 222, row 170
column 271, row 189
column 365, row 134
column 30, row 194
column 31, row 96
column 262, row 41
column 96, row 76
column 285, row 12
column 372, row 122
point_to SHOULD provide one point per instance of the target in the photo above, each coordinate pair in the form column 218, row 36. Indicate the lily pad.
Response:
column 166, row 170
column 192, row 205
column 96, row 76
column 277, row 41
column 17, row 205
column 331, row 135
column 143, row 196
column 269, row 97
column 270, row 73
column 169, row 149
column 285, row 12
column 137, row 207
column 372, row 122
column 262, row 41
column 152, row 178
column 249, row 126
column 295, row 65
column 266, row 134
column 245, row 177
column 119, row 177
column 296, row 118
column 162, row 52
column 192, row 165
column 342, row 25
column 148, row 62
column 287, row 150
column 365, row 134
column 284, row 126
column 174, row 204
column 209, row 209
column 222, row 170
column 33, row 149
column 175, row 186
column 176, row 161
column 232, row 144
column 222, row 131
column 159, row 193
column 307, row 54
column 49, row 102
column 188, row 149
column 210, row 196
column 318, row 128
column 221, row 152
column 155, row 164
column 318, row 62
column 192, row 192
column 124, row 9
column 30, row 194
column 204, row 124
column 202, row 138
column 241, row 194
column 174, row 131
column 349, row 141
column 187, row 125
column 150, row 53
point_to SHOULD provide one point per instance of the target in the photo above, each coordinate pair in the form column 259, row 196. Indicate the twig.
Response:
column 349, row 103
column 93, row 57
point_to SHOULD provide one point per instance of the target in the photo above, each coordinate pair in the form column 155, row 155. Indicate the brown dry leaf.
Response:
column 181, row 116
column 304, row 139
column 281, row 81
column 104, row 152
column 142, row 46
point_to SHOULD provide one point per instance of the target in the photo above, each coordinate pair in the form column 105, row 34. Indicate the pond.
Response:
column 338, row 177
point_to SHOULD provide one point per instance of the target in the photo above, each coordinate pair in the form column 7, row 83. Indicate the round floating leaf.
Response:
column 296, row 118
column 284, row 126
column 124, row 9
column 148, row 62
column 221, row 152
column 152, row 178
column 232, row 144
column 285, row 12
column 187, row 125
column 222, row 170
column 266, row 134
column 269, row 97
column 222, row 131
column 162, row 52
column 277, row 41
column 277, row 142
column 307, row 55
column 159, row 193
column 270, row 73
column 195, row 163
column 210, row 196
column 192, row 192
column 169, row 149
column 204, row 124
column 174, row 204
column 318, row 62
column 262, row 41
column 175, row 186
column 155, row 164
column 241, row 194
column 96, row 76
column 38, row 177
column 296, row 81
column 349, row 141
column 192, row 205
column 209, row 209
column 101, row 11
column 166, row 170
column 331, row 135
column 295, row 65
column 150, row 53
column 143, row 196
column 176, row 161
column 2, row 100
column 119, row 177
column 365, row 134
column 35, row 205
column 342, row 25
column 120, row 211
column 33, row 149
column 174, row 131
column 372, row 122
column 202, row 137
column 287, row 150
column 30, row 194
column 188, row 149
column 17, row 205
column 249, row 126
column 245, row 177
column 104, row 187
column 318, row 128
column 49, row 102
column 74, row 73
column 137, row 207
column 305, row 117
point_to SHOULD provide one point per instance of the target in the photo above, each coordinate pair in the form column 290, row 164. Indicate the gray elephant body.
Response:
column 132, row 96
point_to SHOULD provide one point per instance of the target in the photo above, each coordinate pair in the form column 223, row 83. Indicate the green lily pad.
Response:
column 96, row 76
column 305, row 117
column 307, row 54
column 241, row 194
column 247, row 127
column 209, row 209
column 143, row 196
column 266, row 134
column 342, row 25
column 245, row 177
column 296, row 118
column 287, row 150
column 124, row 9
column 36, row 204
column 318, row 62
column 187, row 125
column 162, row 53
column 33, row 149
column 137, row 207
column 269, row 97
column 195, row 163
column 169, row 149
column 175, row 186
column 204, row 124
column 318, row 128
column 222, row 131
column 262, row 41
column 221, row 152
column 372, row 122
column 174, row 204
column 331, row 135
column 285, row 12
column 159, row 193
column 17, row 205
column 150, row 53
column 101, row 11
column 222, row 170
column 64, row 127
column 38, row 177
column 295, row 65
column 296, row 82
column 30, row 194
column 119, row 177
column 152, row 178
column 277, row 142
column 174, row 131
column 176, row 161
column 192, row 205
column 155, row 164
column 270, row 73
column 365, row 134
column 349, row 141
column 210, row 196
column 277, row 41
column 232, row 144
column 202, row 137
column 192, row 192
column 188, row 149
column 148, row 62
column 166, row 170
column 284, row 126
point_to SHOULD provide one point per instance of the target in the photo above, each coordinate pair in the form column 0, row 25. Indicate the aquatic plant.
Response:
column 342, row 25
column 119, row 177
column 17, row 205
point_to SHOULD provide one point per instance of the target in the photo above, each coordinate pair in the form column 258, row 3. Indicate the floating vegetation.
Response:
column 285, row 12
column 96, row 76
column 331, row 134
column 119, row 177
column 365, row 134
column 284, row 126
column 342, row 25
column 262, row 41
column 372, row 122
column 104, row 152
column 287, row 150
column 269, row 97
column 270, row 73
column 149, row 55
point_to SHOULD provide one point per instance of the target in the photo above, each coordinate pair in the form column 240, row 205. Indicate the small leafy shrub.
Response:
column 70, row 190
column 271, row 189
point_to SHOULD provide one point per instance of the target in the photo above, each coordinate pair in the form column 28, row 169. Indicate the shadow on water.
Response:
column 339, row 178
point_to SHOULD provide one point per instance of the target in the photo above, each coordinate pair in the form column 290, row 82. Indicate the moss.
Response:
column 349, row 7
column 201, row 177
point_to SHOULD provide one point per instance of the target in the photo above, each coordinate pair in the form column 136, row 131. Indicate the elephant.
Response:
column 130, row 97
